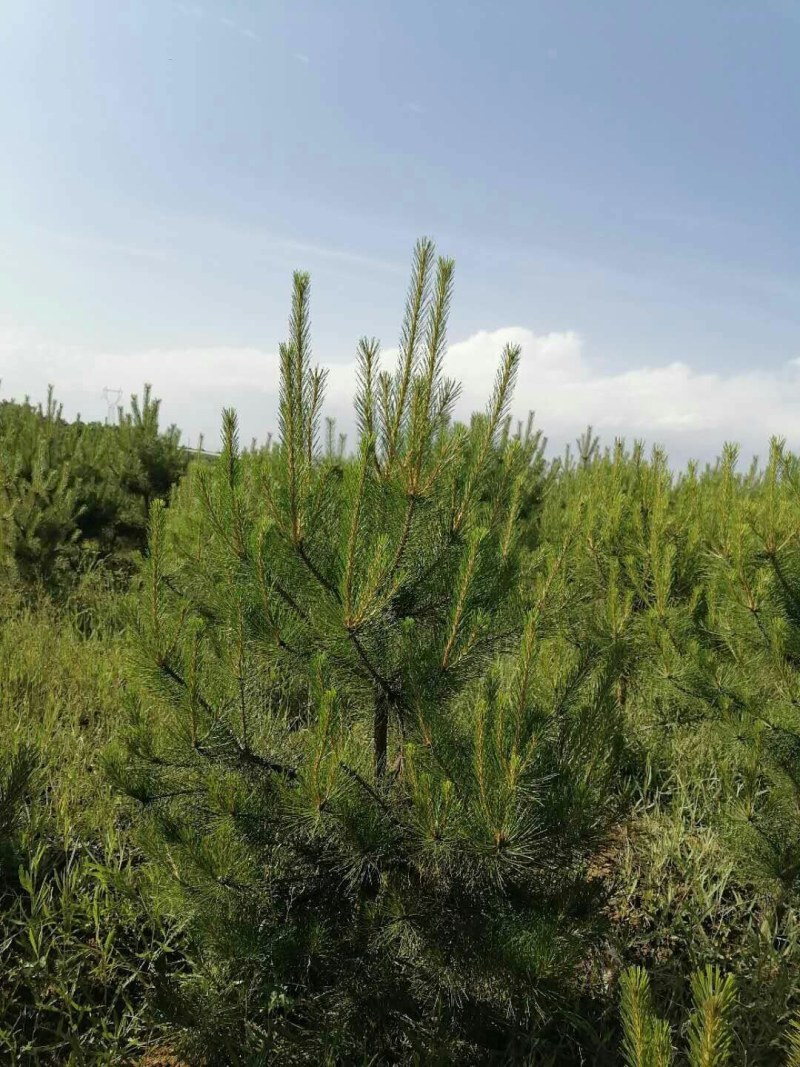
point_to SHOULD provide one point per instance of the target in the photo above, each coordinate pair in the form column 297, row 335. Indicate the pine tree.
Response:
column 73, row 493
column 710, row 1029
column 694, row 574
column 148, row 462
column 40, row 507
column 793, row 1043
column 588, row 445
column 371, row 755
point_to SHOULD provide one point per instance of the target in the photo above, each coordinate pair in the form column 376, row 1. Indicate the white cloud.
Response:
column 691, row 412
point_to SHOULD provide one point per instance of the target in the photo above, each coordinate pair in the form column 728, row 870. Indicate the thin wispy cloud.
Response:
column 229, row 24
column 197, row 12
column 192, row 10
column 101, row 245
column 207, row 230
column 340, row 255
column 210, row 231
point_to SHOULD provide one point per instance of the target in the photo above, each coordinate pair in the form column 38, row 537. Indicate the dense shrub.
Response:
column 437, row 752
column 700, row 573
column 73, row 494
column 382, row 826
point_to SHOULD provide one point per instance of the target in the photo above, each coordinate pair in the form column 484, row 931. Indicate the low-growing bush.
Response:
column 75, row 494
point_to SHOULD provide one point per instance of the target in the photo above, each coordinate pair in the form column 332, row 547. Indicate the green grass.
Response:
column 82, row 950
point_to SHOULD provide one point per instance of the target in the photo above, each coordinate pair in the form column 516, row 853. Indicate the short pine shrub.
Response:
column 371, row 755
column 77, row 495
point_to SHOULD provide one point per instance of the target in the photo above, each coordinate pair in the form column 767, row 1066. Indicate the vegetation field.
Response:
column 432, row 749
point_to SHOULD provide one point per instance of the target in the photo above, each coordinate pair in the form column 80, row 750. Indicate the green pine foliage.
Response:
column 148, row 461
column 710, row 1026
column 793, row 1043
column 647, row 1039
column 73, row 494
column 371, row 756
column 697, row 572
column 38, row 495
column 423, row 747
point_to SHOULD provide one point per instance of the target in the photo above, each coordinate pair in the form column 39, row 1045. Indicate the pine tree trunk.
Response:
column 380, row 734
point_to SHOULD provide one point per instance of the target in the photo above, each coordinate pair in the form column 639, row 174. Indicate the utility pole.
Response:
column 112, row 398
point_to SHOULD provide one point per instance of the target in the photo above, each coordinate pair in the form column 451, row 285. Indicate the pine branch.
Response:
column 710, row 1030
column 352, row 541
column 328, row 586
column 416, row 307
column 351, row 773
column 371, row 670
column 366, row 362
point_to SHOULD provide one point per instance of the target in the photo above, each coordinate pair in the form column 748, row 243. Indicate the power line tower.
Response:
column 112, row 397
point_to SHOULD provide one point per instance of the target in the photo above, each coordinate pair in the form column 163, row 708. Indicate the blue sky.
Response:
column 616, row 180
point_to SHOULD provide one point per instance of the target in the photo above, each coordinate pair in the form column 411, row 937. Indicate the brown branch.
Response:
column 174, row 676
column 174, row 793
column 243, row 755
column 373, row 673
column 286, row 596
column 404, row 536
column 372, row 792
column 320, row 577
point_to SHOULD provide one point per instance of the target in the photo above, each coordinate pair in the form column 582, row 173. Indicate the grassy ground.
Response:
column 82, row 951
